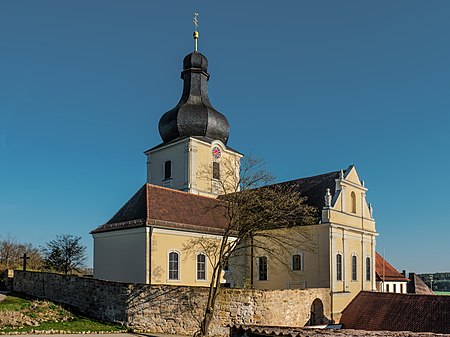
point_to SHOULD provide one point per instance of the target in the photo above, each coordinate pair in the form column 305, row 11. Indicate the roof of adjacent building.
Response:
column 398, row 312
column 165, row 207
column 385, row 271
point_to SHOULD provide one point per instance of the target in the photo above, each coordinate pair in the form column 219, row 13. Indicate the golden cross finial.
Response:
column 195, row 21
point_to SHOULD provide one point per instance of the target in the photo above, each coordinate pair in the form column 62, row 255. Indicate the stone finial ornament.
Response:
column 341, row 174
column 371, row 210
column 328, row 198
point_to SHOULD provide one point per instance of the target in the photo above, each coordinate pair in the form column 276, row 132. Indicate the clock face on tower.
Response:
column 216, row 152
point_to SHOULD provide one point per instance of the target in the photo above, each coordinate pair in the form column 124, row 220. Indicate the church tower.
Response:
column 194, row 156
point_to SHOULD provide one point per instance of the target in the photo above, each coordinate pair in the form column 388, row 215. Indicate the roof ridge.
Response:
column 315, row 176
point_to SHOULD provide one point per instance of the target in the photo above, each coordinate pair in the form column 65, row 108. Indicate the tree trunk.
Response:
column 204, row 329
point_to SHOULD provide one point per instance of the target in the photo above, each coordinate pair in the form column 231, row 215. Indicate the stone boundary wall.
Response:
column 172, row 309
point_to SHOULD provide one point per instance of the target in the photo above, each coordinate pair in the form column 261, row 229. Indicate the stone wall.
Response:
column 172, row 309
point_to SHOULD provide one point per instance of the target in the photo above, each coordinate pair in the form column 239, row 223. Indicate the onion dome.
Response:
column 194, row 116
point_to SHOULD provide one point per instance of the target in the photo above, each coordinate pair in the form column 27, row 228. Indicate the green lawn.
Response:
column 442, row 292
column 47, row 315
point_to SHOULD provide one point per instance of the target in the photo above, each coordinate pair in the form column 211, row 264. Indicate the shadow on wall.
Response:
column 165, row 304
column 317, row 316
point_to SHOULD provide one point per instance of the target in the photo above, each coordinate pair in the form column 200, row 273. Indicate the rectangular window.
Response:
column 262, row 268
column 395, row 288
column 297, row 262
column 354, row 268
column 339, row 267
column 216, row 170
column 168, row 169
column 201, row 267
column 368, row 269
column 401, row 288
column 387, row 288
column 173, row 266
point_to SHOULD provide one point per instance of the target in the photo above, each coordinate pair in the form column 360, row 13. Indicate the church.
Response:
column 145, row 241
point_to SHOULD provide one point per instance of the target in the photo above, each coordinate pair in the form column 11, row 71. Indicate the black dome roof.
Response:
column 194, row 115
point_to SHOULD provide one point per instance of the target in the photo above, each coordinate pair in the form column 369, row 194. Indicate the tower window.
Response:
column 368, row 269
column 354, row 267
column 262, row 268
column 339, row 267
column 167, row 170
column 297, row 262
column 216, row 170
column 353, row 198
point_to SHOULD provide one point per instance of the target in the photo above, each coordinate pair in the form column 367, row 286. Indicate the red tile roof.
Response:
column 398, row 312
column 164, row 207
column 384, row 270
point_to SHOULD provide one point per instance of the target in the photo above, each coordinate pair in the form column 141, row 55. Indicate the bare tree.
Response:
column 258, row 216
column 11, row 252
column 65, row 254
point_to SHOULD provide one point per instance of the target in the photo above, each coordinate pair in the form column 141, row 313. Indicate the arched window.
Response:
column 297, row 262
column 262, row 268
column 353, row 199
column 368, row 269
column 339, row 267
column 174, row 266
column 201, row 267
column 354, row 267
column 167, row 169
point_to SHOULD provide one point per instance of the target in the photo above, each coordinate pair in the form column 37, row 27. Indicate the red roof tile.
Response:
column 384, row 270
column 398, row 312
column 164, row 207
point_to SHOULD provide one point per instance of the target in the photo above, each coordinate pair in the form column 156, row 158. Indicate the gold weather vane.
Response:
column 195, row 21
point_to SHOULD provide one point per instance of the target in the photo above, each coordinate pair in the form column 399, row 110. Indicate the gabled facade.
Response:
column 342, row 256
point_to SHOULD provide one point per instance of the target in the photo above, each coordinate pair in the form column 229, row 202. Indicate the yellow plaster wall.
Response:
column 311, row 242
column 192, row 166
column 178, row 154
column 121, row 255
column 202, row 161
column 163, row 241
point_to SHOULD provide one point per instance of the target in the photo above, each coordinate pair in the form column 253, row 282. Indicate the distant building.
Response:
column 389, row 280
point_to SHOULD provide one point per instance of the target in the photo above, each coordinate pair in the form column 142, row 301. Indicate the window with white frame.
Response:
column 174, row 266
column 201, row 267
column 354, row 268
column 262, row 268
column 297, row 262
column 339, row 267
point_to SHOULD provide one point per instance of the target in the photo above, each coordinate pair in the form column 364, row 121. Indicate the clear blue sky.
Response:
column 310, row 86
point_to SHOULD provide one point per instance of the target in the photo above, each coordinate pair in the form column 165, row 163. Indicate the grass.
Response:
column 13, row 302
column 442, row 292
column 49, row 316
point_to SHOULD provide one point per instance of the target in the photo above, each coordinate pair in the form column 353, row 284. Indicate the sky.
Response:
column 309, row 86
